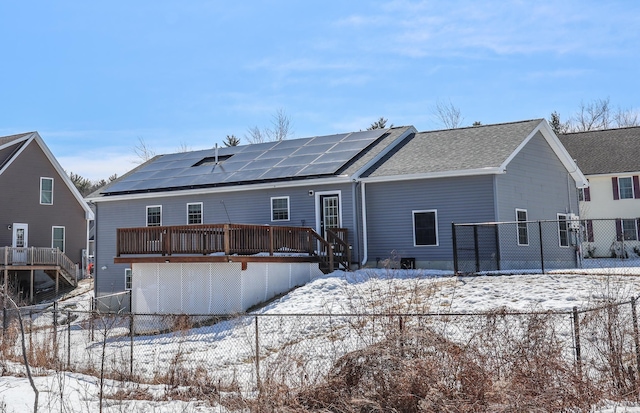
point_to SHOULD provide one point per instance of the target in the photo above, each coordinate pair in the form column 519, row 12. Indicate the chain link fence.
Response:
column 539, row 246
column 244, row 353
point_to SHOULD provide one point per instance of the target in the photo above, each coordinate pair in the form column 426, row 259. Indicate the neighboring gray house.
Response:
column 43, row 218
column 394, row 191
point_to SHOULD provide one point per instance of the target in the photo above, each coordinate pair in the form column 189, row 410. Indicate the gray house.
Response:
column 390, row 192
column 43, row 218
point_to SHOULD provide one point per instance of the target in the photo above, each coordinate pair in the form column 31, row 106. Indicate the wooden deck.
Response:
column 233, row 243
column 50, row 260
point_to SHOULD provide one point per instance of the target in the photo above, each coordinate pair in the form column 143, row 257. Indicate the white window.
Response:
column 280, row 208
column 57, row 238
column 154, row 216
column 425, row 228
column 523, row 229
column 563, row 230
column 625, row 187
column 127, row 278
column 46, row 191
column 194, row 213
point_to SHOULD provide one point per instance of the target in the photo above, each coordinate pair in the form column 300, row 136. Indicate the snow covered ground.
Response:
column 227, row 347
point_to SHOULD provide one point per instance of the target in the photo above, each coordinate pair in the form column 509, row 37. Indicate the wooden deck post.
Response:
column 31, row 288
column 57, row 279
column 270, row 229
column 227, row 248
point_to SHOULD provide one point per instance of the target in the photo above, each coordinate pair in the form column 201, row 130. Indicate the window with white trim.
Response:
column 57, row 238
column 280, row 208
column 523, row 229
column 630, row 229
column 46, row 191
column 127, row 278
column 154, row 215
column 563, row 230
column 194, row 213
column 625, row 187
column 425, row 228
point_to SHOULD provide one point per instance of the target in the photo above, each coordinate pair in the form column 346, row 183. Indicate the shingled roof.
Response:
column 7, row 139
column 472, row 148
column 605, row 151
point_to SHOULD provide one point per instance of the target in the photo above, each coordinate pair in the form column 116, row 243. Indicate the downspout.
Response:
column 95, row 254
column 365, row 246
column 569, row 193
column 356, row 221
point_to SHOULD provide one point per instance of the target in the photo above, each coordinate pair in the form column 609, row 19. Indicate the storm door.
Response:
column 20, row 243
column 329, row 212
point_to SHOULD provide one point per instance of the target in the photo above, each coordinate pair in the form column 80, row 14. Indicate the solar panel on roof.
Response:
column 319, row 169
column 320, row 140
column 343, row 157
column 240, row 176
column 297, row 160
column 276, row 153
column 320, row 155
column 313, row 149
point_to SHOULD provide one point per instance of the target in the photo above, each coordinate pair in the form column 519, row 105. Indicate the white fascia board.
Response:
column 432, row 175
column 557, row 147
column 384, row 152
column 28, row 137
column 220, row 190
column 63, row 175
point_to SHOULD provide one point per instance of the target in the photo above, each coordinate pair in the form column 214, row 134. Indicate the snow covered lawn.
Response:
column 228, row 347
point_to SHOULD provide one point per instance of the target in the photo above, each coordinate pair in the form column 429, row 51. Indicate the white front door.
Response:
column 20, row 243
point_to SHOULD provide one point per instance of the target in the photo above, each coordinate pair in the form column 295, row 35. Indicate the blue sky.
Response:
column 93, row 77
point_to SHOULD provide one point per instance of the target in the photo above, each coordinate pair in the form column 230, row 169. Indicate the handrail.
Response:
column 229, row 239
column 39, row 256
column 338, row 238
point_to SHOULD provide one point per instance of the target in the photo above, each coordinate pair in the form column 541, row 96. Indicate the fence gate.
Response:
column 475, row 248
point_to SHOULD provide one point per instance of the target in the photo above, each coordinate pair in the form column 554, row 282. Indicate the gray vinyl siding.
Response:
column 20, row 189
column 390, row 218
column 242, row 207
column 537, row 181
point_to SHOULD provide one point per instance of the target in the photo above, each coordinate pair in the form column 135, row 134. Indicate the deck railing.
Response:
column 227, row 239
column 38, row 256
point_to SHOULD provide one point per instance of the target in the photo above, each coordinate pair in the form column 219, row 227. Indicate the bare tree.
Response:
column 281, row 126
column 184, row 147
column 231, row 140
column 593, row 116
column 143, row 151
column 379, row 124
column 624, row 118
column 255, row 135
column 448, row 114
column 280, row 129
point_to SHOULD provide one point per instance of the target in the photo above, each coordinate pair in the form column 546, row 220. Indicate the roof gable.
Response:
column 486, row 149
column 21, row 142
column 606, row 151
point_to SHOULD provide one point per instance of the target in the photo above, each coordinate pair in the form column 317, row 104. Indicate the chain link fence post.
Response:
column 68, row 339
column 131, row 340
column 257, row 357
column 636, row 340
column 576, row 336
